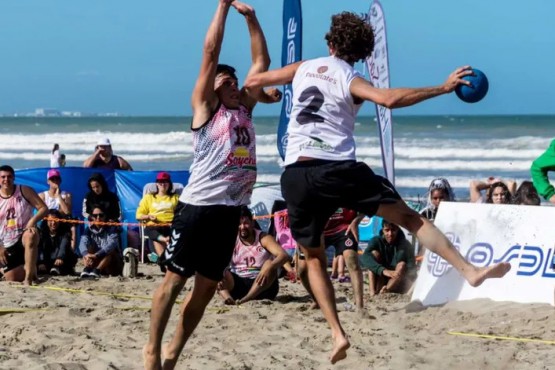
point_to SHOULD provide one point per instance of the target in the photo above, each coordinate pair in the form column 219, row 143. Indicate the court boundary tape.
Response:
column 500, row 337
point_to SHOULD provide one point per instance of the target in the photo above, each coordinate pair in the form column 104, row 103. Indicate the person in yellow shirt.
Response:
column 157, row 210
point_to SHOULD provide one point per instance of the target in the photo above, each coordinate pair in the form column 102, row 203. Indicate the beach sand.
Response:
column 86, row 330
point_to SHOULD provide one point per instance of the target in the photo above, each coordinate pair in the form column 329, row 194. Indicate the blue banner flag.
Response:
column 291, row 52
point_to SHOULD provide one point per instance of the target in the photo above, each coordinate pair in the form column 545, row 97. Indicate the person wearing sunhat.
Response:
column 103, row 157
column 157, row 210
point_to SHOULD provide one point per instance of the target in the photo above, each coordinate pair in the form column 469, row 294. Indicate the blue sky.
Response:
column 141, row 57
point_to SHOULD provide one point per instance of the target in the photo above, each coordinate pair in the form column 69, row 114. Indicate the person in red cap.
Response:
column 58, row 200
column 157, row 210
column 19, row 236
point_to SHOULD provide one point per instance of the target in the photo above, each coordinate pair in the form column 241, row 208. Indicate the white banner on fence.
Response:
column 486, row 234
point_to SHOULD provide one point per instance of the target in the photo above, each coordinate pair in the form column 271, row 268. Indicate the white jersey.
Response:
column 323, row 114
column 53, row 202
column 224, row 164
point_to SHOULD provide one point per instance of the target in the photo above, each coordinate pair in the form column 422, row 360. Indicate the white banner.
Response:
column 486, row 234
column 378, row 73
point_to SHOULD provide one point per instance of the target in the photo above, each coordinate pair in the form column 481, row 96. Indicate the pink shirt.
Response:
column 15, row 213
column 247, row 259
column 283, row 231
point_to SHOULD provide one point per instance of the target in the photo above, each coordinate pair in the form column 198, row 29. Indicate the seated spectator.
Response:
column 99, row 194
column 57, row 199
column 540, row 167
column 341, row 231
column 389, row 258
column 19, row 236
column 158, row 208
column 103, row 157
column 55, row 254
column 498, row 193
column 526, row 194
column 100, row 247
column 438, row 191
column 476, row 188
column 253, row 270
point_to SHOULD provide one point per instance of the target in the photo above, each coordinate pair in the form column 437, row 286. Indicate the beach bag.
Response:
column 130, row 262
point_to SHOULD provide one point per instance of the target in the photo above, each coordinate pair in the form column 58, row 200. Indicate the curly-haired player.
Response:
column 321, row 172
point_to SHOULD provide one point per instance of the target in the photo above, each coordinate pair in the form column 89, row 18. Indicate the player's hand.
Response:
column 243, row 8
column 455, row 78
column 274, row 95
column 3, row 256
column 391, row 274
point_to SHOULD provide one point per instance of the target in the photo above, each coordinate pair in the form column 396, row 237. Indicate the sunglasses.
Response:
column 96, row 215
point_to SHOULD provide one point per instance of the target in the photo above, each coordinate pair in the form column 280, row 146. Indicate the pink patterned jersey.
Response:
column 247, row 260
column 224, row 164
column 15, row 213
column 283, row 231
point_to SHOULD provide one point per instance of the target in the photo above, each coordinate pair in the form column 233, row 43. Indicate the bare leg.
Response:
column 256, row 289
column 323, row 292
column 303, row 276
column 334, row 267
column 159, row 247
column 225, row 287
column 340, row 266
column 395, row 284
column 191, row 314
column 399, row 213
column 30, row 242
column 351, row 259
column 162, row 303
column 376, row 283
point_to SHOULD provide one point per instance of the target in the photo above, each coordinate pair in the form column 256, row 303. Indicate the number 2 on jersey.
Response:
column 308, row 113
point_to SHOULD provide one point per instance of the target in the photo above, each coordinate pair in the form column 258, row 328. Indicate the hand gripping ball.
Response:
column 476, row 92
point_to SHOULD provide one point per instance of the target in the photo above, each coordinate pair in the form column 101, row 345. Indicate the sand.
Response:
column 85, row 330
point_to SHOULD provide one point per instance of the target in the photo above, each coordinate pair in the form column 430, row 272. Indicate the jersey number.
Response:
column 243, row 137
column 308, row 114
column 250, row 261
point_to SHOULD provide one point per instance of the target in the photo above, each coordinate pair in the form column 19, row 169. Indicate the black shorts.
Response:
column 16, row 256
column 202, row 240
column 153, row 232
column 241, row 286
column 314, row 189
column 341, row 242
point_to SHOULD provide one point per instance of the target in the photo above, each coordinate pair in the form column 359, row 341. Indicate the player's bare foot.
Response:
column 340, row 346
column 151, row 360
column 170, row 359
column 478, row 276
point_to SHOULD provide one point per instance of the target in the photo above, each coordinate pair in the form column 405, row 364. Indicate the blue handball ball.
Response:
column 476, row 92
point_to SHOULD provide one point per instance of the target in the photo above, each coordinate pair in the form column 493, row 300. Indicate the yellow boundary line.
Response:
column 487, row 336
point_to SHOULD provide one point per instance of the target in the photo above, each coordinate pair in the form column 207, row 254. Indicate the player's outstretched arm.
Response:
column 404, row 97
column 204, row 99
column 280, row 76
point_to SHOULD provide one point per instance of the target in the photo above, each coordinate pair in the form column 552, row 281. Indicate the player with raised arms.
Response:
column 322, row 173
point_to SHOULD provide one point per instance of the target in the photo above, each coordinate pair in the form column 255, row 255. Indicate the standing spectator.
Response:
column 390, row 260
column 62, row 160
column 19, row 236
column 103, row 157
column 540, row 167
column 526, row 194
column 99, row 194
column 99, row 247
column 55, row 252
column 55, row 156
column 438, row 191
column 158, row 208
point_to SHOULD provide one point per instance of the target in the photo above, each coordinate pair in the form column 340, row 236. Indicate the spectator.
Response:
column 55, row 156
column 158, row 208
column 438, row 191
column 253, row 269
column 389, row 258
column 100, row 194
column 62, row 160
column 526, row 194
column 55, row 253
column 476, row 188
column 19, row 236
column 103, row 157
column 99, row 247
column 540, row 167
column 498, row 193
column 341, row 231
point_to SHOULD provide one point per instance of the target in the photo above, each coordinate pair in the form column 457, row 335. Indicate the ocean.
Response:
column 459, row 148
